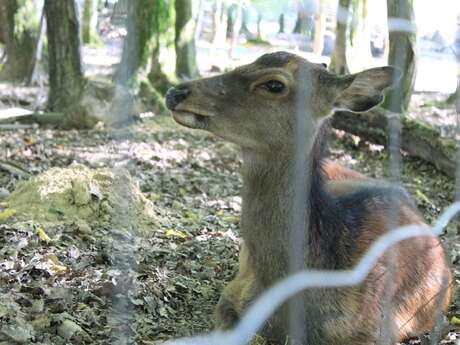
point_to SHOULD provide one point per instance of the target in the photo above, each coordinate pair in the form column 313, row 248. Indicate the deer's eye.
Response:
column 274, row 86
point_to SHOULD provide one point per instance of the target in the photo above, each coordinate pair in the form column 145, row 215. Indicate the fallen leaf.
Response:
column 8, row 213
column 42, row 234
column 455, row 321
column 175, row 234
column 52, row 264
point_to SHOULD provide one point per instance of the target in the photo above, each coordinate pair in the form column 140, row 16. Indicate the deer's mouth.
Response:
column 190, row 119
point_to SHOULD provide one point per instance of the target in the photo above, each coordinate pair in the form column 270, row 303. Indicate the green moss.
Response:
column 151, row 97
column 258, row 41
column 431, row 135
column 422, row 129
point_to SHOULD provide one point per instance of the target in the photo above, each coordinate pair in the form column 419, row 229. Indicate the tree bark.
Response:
column 281, row 23
column 244, row 30
column 454, row 98
column 19, row 41
column 417, row 139
column 259, row 29
column 184, row 41
column 231, row 14
column 142, row 24
column 402, row 54
column 320, row 23
column 89, row 22
column 65, row 68
column 339, row 57
column 300, row 24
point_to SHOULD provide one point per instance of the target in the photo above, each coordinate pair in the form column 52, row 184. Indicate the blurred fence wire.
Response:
column 261, row 309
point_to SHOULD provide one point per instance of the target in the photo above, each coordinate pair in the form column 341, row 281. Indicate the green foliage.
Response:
column 25, row 19
column 357, row 16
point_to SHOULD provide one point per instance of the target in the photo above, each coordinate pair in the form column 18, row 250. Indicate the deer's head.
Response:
column 258, row 106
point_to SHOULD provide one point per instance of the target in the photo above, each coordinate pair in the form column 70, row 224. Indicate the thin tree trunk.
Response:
column 236, row 22
column 184, row 41
column 320, row 23
column 37, row 52
column 244, row 30
column 259, row 29
column 300, row 24
column 65, row 68
column 89, row 22
column 281, row 23
column 19, row 41
column 218, row 18
column 231, row 14
column 140, row 28
column 455, row 96
column 403, row 55
column 339, row 56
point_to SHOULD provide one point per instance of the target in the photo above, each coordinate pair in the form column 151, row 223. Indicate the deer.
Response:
column 295, row 217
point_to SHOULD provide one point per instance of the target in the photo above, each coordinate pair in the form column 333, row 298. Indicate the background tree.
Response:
column 66, row 82
column 232, row 12
column 161, row 36
column 140, row 26
column 89, row 22
column 281, row 23
column 184, row 41
column 320, row 26
column 244, row 30
column 305, row 18
column 402, row 54
column 339, row 57
column 19, row 28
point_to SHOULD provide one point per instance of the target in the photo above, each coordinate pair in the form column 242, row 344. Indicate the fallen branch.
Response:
column 44, row 119
column 14, row 126
column 13, row 169
column 417, row 139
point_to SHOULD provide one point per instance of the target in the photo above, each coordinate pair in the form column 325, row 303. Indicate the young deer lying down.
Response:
column 276, row 110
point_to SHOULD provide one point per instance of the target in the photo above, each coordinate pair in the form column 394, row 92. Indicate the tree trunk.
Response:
column 140, row 23
column 89, row 22
column 244, row 30
column 217, row 27
column 417, row 139
column 65, row 68
column 231, row 14
column 300, row 24
column 184, row 40
column 339, row 57
column 156, row 76
column 320, row 24
column 19, row 39
column 403, row 55
column 259, row 29
column 139, row 32
column 281, row 23
column 455, row 97
column 37, row 52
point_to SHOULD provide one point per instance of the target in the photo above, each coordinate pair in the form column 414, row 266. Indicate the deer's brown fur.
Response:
column 276, row 110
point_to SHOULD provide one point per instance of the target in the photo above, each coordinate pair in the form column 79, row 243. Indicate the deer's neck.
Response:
column 287, row 219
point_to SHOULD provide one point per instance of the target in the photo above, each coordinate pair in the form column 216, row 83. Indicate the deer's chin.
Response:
column 190, row 120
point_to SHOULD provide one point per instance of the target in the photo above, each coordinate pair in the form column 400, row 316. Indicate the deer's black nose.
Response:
column 174, row 96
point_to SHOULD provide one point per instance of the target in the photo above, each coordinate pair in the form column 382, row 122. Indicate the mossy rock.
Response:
column 78, row 194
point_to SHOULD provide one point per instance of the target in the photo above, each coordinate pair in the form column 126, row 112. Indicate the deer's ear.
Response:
column 363, row 91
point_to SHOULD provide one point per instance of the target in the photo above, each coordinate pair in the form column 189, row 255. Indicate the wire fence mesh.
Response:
column 262, row 309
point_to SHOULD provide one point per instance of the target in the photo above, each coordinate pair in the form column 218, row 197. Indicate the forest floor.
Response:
column 100, row 283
